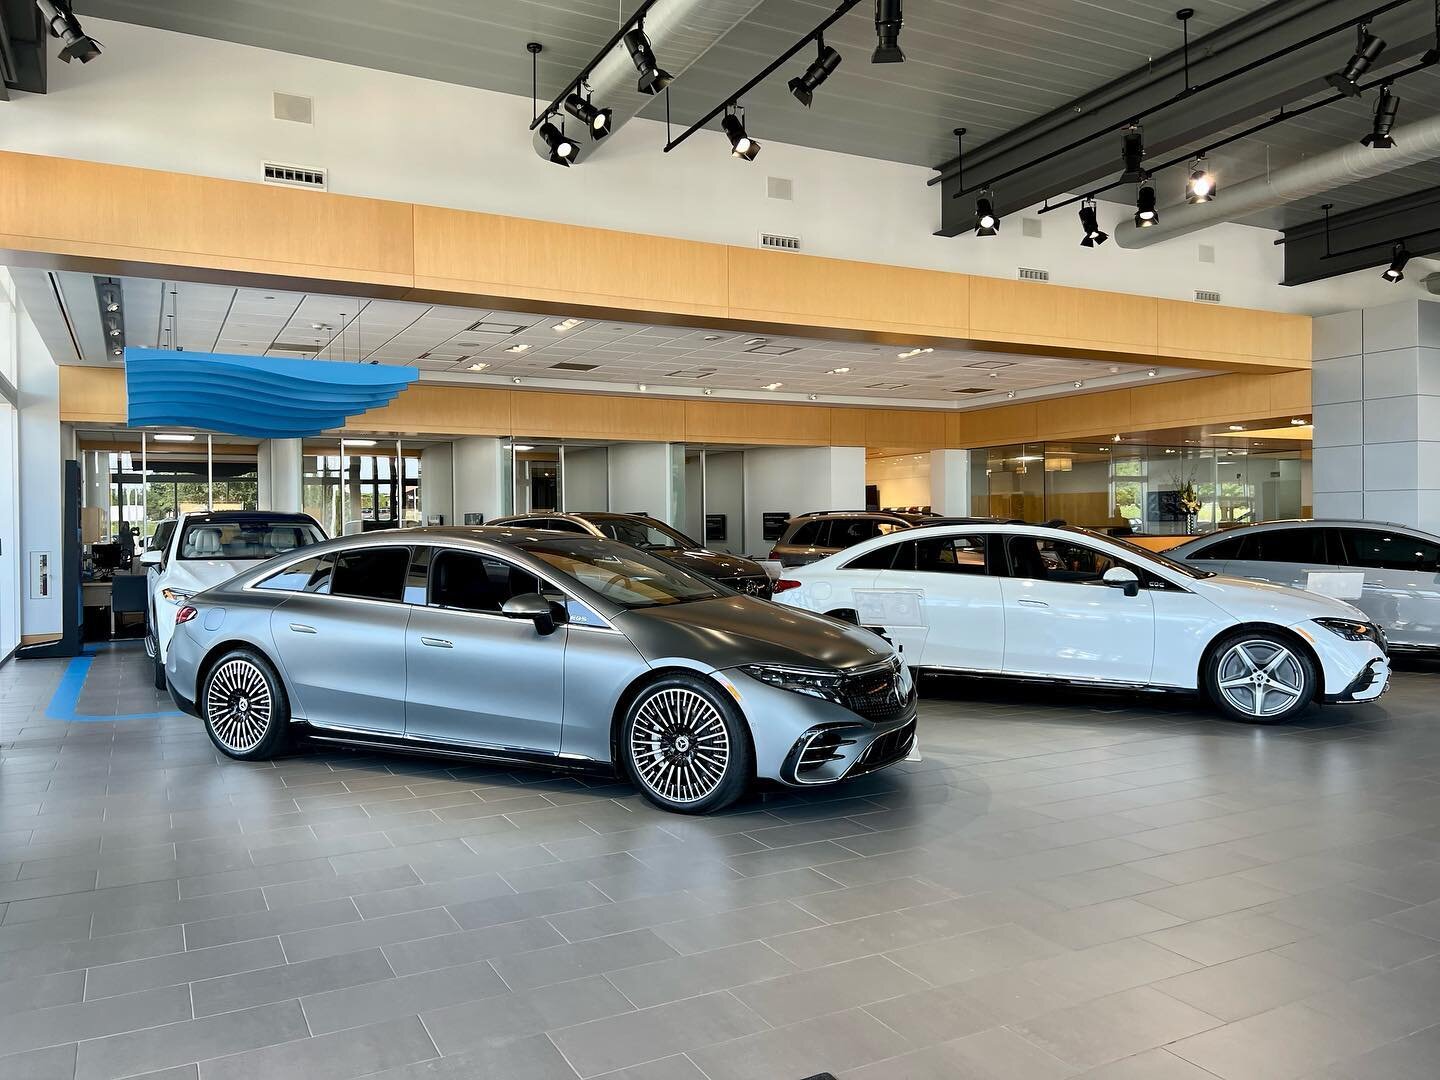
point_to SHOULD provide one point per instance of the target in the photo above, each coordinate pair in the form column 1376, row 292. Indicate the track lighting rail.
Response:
column 1177, row 98
column 766, row 72
column 574, row 85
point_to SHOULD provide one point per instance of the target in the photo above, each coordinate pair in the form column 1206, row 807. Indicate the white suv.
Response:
column 196, row 551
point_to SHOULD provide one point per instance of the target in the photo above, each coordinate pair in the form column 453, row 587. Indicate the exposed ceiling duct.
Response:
column 1324, row 172
column 680, row 32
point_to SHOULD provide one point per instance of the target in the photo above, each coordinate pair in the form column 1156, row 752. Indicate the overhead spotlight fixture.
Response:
column 987, row 222
column 1237, row 427
column 516, row 380
column 1132, row 153
column 1145, row 213
column 889, row 16
column 1115, row 438
column 1114, row 369
column 1009, row 393
column 1299, row 421
column 596, row 120
column 1398, row 258
column 741, row 144
column 1152, row 373
column 1090, row 222
column 1368, row 48
column 562, row 149
column 708, row 392
column 1387, row 107
column 1200, row 187
column 653, row 78
column 641, row 387
column 803, row 87
column 62, row 23
column 1078, row 383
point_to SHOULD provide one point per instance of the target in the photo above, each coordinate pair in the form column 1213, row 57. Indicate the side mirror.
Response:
column 1120, row 577
column 545, row 614
column 152, row 558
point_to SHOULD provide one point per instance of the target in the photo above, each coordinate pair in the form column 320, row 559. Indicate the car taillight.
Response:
column 774, row 554
column 185, row 614
column 784, row 585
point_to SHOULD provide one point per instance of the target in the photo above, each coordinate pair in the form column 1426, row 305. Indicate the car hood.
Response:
column 1251, row 600
column 733, row 630
column 196, row 575
column 712, row 564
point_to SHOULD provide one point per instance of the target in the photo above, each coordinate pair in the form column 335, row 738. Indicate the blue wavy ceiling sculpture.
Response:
column 260, row 396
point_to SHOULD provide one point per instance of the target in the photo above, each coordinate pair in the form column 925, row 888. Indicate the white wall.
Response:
column 725, row 494
column 481, row 476
column 641, row 479
column 796, row 480
column 950, row 482
column 903, row 479
column 437, row 484
column 186, row 104
column 40, row 476
column 585, row 479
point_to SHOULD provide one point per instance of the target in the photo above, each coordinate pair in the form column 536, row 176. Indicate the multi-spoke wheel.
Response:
column 244, row 705
column 685, row 746
column 1260, row 677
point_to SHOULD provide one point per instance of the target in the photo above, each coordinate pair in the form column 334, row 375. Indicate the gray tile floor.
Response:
column 1066, row 886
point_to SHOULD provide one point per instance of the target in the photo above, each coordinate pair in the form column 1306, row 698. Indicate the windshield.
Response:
column 1164, row 560
column 233, row 541
column 642, row 533
column 629, row 578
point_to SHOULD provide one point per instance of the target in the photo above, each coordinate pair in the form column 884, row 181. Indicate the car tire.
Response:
column 244, row 706
column 686, row 746
column 1260, row 677
column 159, row 666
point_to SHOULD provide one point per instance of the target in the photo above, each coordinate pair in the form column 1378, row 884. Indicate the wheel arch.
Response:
column 638, row 685
column 220, row 648
column 1284, row 632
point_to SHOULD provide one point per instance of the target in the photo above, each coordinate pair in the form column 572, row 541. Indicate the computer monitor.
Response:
column 107, row 556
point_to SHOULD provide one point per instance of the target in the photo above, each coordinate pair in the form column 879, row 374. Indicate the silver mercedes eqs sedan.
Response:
column 540, row 648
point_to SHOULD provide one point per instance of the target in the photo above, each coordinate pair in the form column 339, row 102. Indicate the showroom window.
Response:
column 360, row 492
column 1389, row 551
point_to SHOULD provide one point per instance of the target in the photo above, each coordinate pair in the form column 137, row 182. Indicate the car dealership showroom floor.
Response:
column 1065, row 885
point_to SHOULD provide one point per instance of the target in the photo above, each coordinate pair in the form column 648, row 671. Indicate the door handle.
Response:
column 436, row 643
column 1032, row 603
column 301, row 628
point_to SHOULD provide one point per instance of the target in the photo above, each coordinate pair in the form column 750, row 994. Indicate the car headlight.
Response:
column 1351, row 630
column 175, row 596
column 820, row 684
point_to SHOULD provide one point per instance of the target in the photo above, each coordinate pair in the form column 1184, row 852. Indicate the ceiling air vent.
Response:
column 567, row 366
column 973, row 390
column 1207, row 296
column 295, row 346
column 690, row 373
column 779, row 187
column 294, row 176
column 776, row 242
column 1028, row 273
column 1031, row 226
column 293, row 107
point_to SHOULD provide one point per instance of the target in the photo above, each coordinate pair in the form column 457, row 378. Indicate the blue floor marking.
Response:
column 66, row 699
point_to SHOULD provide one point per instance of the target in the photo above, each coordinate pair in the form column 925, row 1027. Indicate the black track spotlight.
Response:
column 1090, row 222
column 741, row 144
column 60, row 19
column 1398, row 258
column 562, row 147
column 1200, row 185
column 1387, row 107
column 803, row 87
column 1367, row 50
column 1132, row 152
column 888, row 18
column 653, row 78
column 1145, row 213
column 987, row 221
column 596, row 120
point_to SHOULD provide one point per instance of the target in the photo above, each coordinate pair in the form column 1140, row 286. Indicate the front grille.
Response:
column 877, row 694
column 759, row 585
column 888, row 747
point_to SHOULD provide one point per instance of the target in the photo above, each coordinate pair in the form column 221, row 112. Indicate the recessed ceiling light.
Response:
column 1300, row 422
column 1010, row 393
column 522, row 447
column 516, row 380
column 774, row 385
column 1115, row 438
column 166, row 436
column 994, row 374
column 518, row 348
column 1151, row 373
column 912, row 352
column 568, row 324
column 712, row 337
column 478, row 367
column 1114, row 369
column 358, row 442
column 707, row 391
column 814, row 397
column 838, row 371
column 641, row 387
column 1237, row 427
column 1078, row 383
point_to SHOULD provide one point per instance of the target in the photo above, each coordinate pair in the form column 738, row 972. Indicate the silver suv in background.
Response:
column 811, row 537
column 1401, row 591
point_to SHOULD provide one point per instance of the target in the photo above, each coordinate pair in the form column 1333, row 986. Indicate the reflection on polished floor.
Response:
column 1104, row 887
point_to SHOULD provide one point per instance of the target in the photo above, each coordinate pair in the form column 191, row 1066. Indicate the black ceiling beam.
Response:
column 24, row 41
column 1408, row 28
column 1360, row 239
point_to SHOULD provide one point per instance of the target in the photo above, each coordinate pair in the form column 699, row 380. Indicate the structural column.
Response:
column 280, row 465
column 798, row 480
column 1376, row 406
column 950, row 482
column 480, row 476
column 643, row 480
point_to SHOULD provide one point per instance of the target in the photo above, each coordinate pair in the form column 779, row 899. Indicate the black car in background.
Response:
column 739, row 573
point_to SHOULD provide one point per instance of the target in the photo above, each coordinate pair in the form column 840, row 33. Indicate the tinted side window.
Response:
column 1286, row 546
column 163, row 532
column 371, row 573
column 1046, row 559
column 951, row 555
column 473, row 582
column 881, row 558
column 847, row 532
column 308, row 575
column 1389, row 551
column 1229, row 548
column 809, row 534
column 564, row 525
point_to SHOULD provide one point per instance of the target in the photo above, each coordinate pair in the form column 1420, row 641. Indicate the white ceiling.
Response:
column 445, row 343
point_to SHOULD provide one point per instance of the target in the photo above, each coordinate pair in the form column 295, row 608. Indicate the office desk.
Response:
column 98, row 593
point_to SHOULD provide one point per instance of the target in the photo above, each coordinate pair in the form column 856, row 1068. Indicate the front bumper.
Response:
column 1372, row 681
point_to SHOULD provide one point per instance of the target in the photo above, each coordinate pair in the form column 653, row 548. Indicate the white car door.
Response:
column 959, row 610
column 1062, row 621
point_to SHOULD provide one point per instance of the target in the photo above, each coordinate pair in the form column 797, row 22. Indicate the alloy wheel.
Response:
column 1260, row 677
column 680, row 745
column 238, row 705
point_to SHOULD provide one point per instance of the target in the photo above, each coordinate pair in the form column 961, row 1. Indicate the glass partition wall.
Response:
column 359, row 485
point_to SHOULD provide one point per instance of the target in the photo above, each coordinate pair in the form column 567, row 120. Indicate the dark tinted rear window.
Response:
column 1228, row 548
column 811, row 534
column 1389, row 551
column 1285, row 546
column 371, row 573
